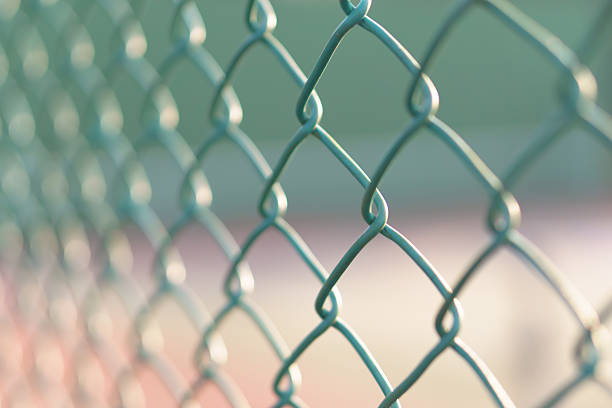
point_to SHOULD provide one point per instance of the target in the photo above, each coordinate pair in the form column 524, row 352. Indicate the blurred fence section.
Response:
column 132, row 130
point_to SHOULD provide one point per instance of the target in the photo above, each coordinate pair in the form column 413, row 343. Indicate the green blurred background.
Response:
column 495, row 88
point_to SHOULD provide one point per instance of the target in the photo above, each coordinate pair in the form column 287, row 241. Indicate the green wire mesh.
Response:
column 62, row 121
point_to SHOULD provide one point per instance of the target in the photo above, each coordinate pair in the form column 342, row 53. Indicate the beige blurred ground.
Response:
column 513, row 320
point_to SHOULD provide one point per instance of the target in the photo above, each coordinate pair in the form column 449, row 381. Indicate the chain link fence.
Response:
column 72, row 178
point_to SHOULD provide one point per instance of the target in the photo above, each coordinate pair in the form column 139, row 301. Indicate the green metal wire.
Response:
column 62, row 118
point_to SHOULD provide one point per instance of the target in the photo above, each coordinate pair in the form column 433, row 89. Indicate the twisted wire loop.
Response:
column 66, row 253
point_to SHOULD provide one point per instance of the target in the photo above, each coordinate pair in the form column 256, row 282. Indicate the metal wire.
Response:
column 63, row 216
